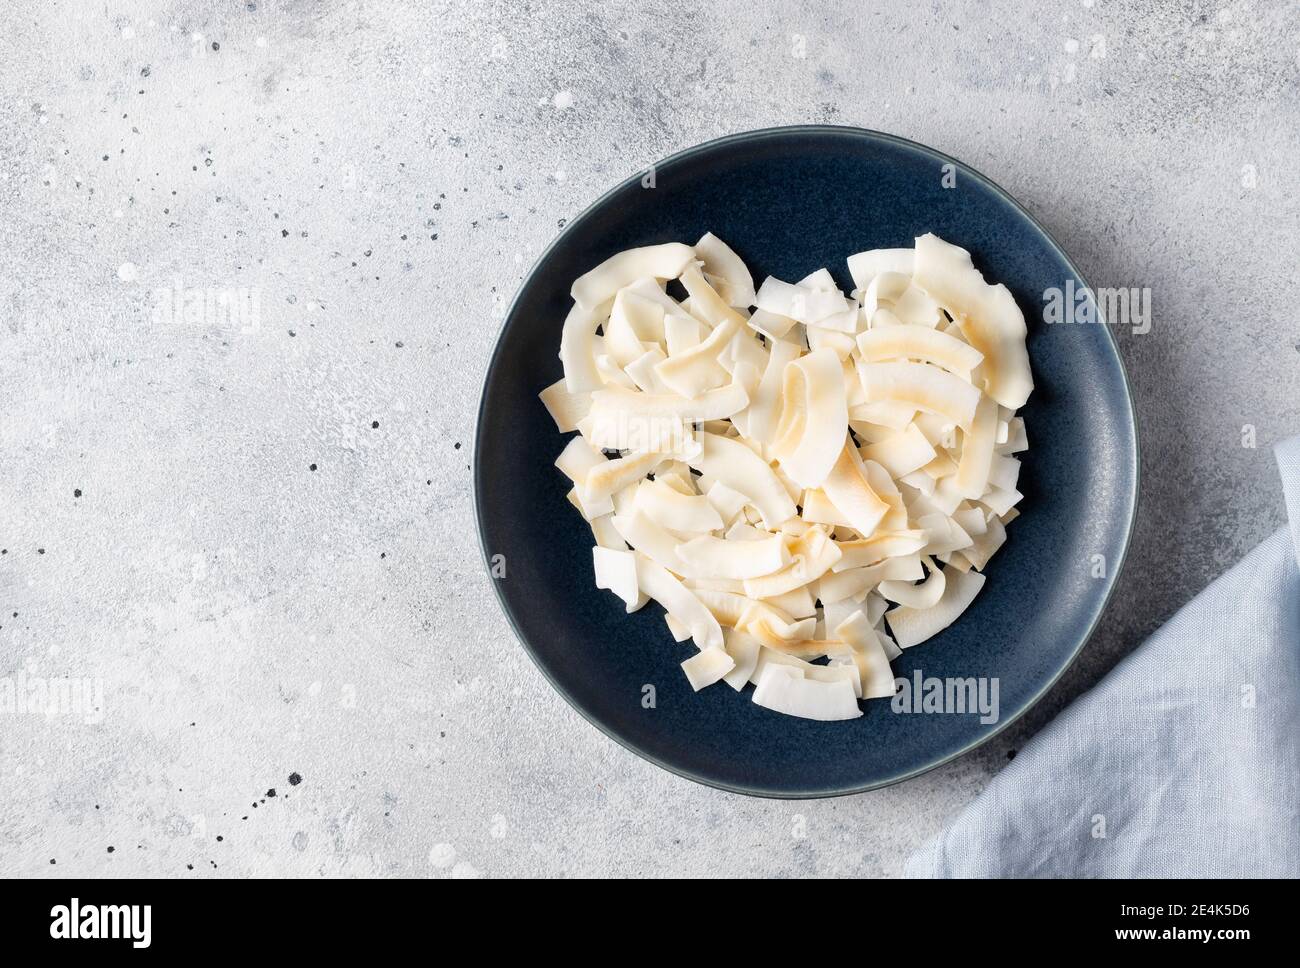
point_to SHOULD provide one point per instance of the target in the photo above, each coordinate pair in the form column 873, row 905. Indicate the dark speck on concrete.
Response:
column 294, row 779
column 110, row 850
column 374, row 425
column 270, row 792
column 40, row 551
column 284, row 233
column 216, row 46
column 457, row 445
column 220, row 838
column 311, row 467
column 399, row 344
column 76, row 492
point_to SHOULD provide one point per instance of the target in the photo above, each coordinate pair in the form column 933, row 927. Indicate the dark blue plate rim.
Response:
column 576, row 225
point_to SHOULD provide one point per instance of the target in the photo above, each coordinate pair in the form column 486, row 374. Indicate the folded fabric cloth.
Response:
column 1184, row 761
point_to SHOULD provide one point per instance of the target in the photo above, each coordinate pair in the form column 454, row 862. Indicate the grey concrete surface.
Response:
column 369, row 182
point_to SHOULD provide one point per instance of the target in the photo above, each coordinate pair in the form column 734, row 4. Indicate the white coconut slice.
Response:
column 744, row 650
column 720, row 260
column 841, row 344
column 678, row 601
column 988, row 316
column 682, row 333
column 865, row 266
column 727, row 501
column 771, row 325
column 1004, row 472
column 635, row 325
column 588, row 508
column 814, row 418
column 972, row 477
column 565, row 408
column 999, row 501
column 606, row 535
column 785, row 690
column 647, row 287
column 616, row 572
column 918, row 596
column 765, row 408
column 813, row 554
column 849, row 490
column 1017, row 440
column 578, row 349
column 676, row 629
column 705, row 303
column 817, row 508
column 919, row 343
column 915, row 308
column 614, row 475
column 797, row 603
column 707, row 667
column 693, row 371
column 670, row 508
column 658, row 261
column 884, row 413
column 737, row 466
column 921, row 387
column 623, row 419
column 855, row 582
column 913, row 626
column 902, row 453
column 877, row 548
column 880, row 294
column 720, row 558
column 986, row 545
column 869, row 655
column 803, row 304
column 641, row 372
column 578, row 459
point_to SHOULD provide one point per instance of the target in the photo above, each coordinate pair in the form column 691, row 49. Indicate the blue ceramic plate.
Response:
column 789, row 201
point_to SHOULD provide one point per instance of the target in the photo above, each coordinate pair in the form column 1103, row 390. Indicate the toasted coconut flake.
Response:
column 869, row 655
column 734, row 464
column 988, row 316
column 616, row 571
column 720, row 558
column 921, row 387
column 565, row 408
column 677, row 600
column 670, row 508
column 800, row 303
column 972, row 478
column 849, row 490
column 865, row 266
column 719, row 260
column 919, row 343
column 744, row 650
column 814, row 418
column 707, row 667
column 924, row 595
column 913, row 626
column 785, row 690
column 658, row 261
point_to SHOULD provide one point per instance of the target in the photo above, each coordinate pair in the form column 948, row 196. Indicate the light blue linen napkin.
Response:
column 1184, row 761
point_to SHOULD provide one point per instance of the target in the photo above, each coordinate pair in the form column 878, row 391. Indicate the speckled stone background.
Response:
column 366, row 183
